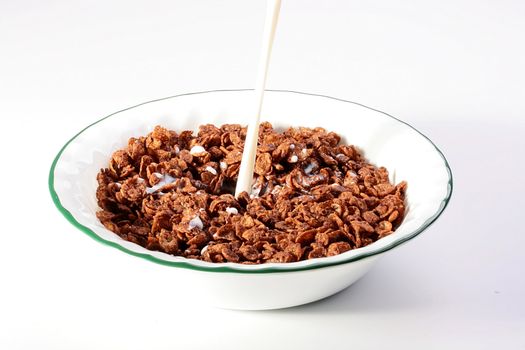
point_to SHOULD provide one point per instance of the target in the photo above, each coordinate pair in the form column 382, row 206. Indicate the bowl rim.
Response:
column 242, row 268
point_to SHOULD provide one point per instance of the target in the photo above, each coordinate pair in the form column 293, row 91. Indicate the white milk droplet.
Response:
column 196, row 222
column 211, row 170
column 166, row 179
column 309, row 168
column 232, row 211
column 197, row 150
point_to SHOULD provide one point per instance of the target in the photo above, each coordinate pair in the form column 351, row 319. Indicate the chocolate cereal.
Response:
column 312, row 196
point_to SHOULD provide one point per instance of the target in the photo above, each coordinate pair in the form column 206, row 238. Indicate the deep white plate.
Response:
column 384, row 140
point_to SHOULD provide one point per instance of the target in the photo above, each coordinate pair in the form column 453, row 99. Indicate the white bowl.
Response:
column 384, row 140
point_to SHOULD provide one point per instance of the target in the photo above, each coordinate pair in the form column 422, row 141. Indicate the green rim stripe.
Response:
column 220, row 267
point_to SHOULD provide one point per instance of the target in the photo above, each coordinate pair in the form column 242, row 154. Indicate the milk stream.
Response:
column 244, row 182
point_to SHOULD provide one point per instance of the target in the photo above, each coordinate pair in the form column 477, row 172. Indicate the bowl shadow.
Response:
column 382, row 290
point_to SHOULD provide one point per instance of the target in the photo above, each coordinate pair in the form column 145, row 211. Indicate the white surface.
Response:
column 453, row 69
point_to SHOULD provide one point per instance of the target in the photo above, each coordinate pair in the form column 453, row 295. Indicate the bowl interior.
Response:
column 384, row 141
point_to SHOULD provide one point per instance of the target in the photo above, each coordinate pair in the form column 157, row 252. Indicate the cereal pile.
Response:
column 312, row 196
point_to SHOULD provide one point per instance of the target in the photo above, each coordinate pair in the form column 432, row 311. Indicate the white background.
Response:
column 453, row 69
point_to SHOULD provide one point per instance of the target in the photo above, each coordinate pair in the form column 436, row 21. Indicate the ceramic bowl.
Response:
column 384, row 140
